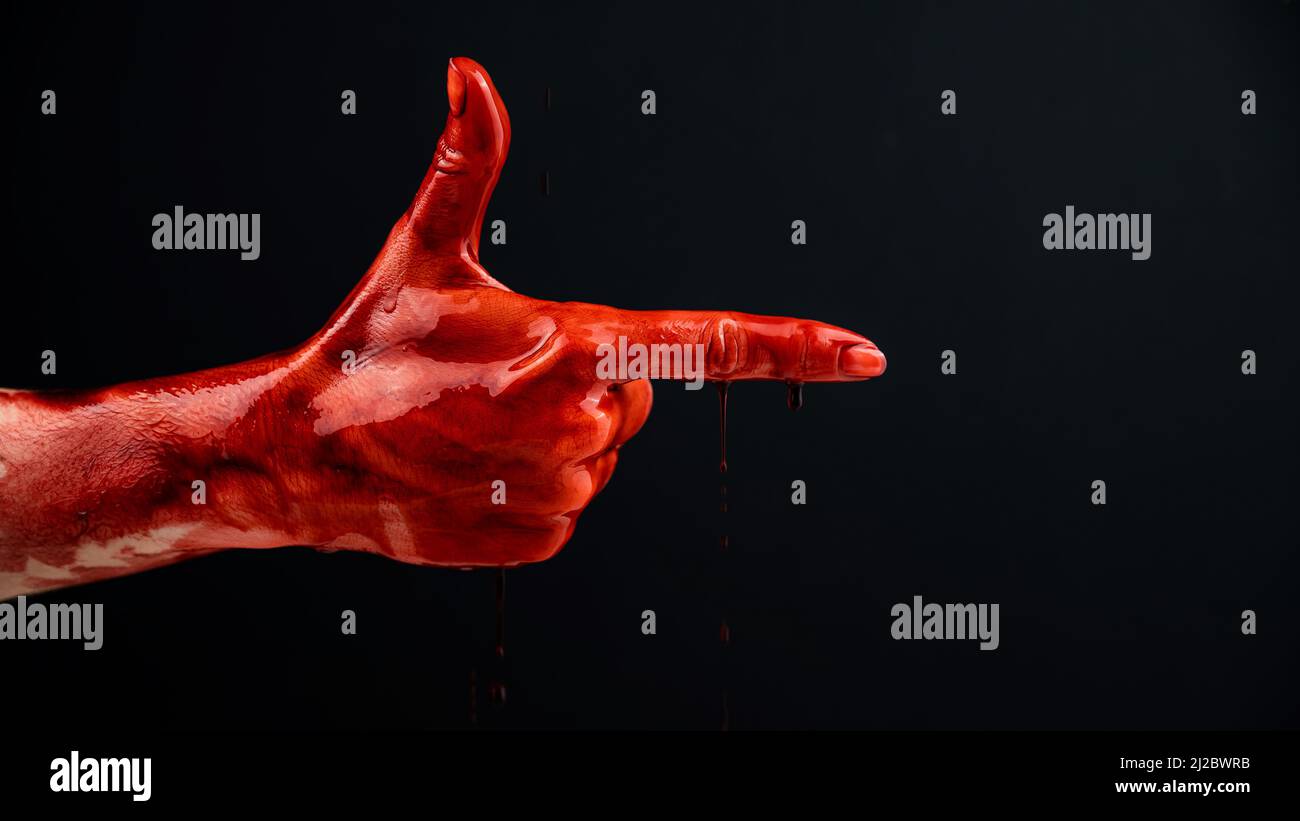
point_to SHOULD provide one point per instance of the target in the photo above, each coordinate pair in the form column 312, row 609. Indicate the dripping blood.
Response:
column 722, row 407
column 794, row 395
column 497, row 688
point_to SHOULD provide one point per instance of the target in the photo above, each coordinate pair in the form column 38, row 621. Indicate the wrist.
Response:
column 105, row 483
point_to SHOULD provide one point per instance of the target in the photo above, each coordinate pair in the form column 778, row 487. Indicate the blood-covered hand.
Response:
column 437, row 418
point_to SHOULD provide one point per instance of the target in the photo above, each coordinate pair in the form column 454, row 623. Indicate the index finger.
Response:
column 739, row 346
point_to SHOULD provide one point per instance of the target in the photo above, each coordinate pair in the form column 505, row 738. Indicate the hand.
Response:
column 433, row 394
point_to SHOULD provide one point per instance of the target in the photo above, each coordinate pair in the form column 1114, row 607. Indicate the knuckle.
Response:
column 725, row 344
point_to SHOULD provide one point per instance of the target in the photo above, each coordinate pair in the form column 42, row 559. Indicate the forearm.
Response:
column 101, row 484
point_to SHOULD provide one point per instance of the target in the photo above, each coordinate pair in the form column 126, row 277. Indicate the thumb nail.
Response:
column 455, row 89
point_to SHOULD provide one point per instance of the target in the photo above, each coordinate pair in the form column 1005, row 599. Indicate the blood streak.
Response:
column 722, row 407
column 501, row 613
column 794, row 395
column 497, row 689
column 794, row 400
column 724, row 631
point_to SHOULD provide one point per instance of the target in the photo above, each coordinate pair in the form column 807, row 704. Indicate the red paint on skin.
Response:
column 459, row 382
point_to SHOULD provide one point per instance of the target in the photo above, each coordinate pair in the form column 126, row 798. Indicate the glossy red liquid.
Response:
column 459, row 383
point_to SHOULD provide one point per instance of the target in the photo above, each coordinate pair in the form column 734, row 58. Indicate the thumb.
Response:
column 737, row 346
column 447, row 213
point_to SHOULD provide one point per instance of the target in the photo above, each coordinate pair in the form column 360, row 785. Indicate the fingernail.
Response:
column 455, row 89
column 862, row 360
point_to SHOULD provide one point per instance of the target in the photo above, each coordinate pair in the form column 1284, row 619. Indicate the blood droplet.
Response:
column 722, row 408
column 501, row 613
column 794, row 396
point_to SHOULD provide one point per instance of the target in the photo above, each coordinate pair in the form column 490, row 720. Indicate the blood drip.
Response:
column 497, row 689
column 794, row 395
column 724, row 632
column 501, row 613
column 722, row 407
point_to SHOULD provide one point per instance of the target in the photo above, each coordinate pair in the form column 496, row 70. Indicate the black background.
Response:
column 924, row 234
